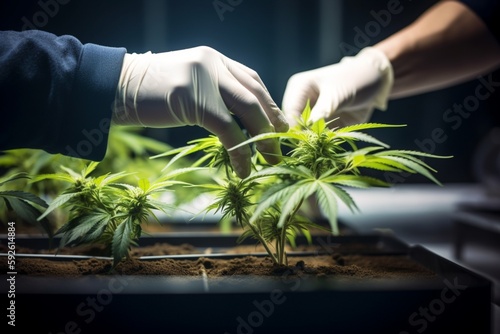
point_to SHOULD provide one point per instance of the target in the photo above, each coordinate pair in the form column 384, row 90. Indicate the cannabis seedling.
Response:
column 321, row 162
column 104, row 210
column 25, row 205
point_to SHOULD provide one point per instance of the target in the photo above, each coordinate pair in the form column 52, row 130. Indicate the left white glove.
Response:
column 199, row 86
column 349, row 90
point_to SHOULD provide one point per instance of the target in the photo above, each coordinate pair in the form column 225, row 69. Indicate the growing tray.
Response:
column 456, row 299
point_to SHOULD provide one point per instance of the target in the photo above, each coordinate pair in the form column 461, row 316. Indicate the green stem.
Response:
column 282, row 254
column 278, row 247
column 283, row 258
column 261, row 240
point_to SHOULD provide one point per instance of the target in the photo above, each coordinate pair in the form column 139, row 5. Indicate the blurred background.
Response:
column 278, row 38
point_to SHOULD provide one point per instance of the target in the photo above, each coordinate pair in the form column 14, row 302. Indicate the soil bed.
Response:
column 248, row 261
column 363, row 284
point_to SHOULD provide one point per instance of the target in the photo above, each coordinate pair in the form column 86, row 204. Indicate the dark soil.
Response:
column 336, row 264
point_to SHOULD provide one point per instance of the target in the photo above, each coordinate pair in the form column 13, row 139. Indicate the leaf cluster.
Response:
column 27, row 206
column 321, row 162
column 128, row 150
column 105, row 210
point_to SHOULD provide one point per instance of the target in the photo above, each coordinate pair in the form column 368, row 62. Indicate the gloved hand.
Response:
column 199, row 86
column 350, row 89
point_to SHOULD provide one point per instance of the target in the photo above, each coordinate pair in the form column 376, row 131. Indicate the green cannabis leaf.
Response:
column 105, row 210
column 27, row 206
column 322, row 161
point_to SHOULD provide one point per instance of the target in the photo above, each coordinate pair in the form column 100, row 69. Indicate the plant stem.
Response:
column 261, row 240
column 282, row 254
column 283, row 259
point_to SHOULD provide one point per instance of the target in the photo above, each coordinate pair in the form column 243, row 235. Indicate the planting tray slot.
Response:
column 161, row 304
column 371, row 243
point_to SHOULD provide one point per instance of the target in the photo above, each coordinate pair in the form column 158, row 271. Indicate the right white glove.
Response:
column 349, row 90
column 199, row 86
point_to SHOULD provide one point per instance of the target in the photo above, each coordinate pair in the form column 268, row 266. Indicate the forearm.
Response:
column 56, row 93
column 447, row 45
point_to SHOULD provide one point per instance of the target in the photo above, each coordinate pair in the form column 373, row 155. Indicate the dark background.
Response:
column 277, row 38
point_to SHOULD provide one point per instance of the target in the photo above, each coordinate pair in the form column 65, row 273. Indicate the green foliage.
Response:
column 25, row 205
column 105, row 210
column 128, row 150
column 107, row 204
column 322, row 161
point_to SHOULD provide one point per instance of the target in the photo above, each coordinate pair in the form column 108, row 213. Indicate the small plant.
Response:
column 128, row 150
column 25, row 205
column 106, row 211
column 321, row 162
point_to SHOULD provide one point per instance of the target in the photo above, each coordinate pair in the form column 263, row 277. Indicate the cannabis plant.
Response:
column 106, row 211
column 128, row 150
column 21, row 206
column 320, row 163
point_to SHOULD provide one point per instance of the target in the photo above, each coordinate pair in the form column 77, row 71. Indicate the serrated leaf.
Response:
column 58, row 202
column 306, row 113
column 24, row 210
column 111, row 178
column 10, row 178
column 356, row 181
column 100, row 222
column 269, row 201
column 84, row 228
column 144, row 184
column 416, row 153
column 90, row 168
column 345, row 197
column 57, row 177
column 319, row 126
column 378, row 166
column 387, row 161
column 327, row 202
column 366, row 126
column 269, row 135
column 304, row 189
column 415, row 167
column 299, row 171
column 361, row 137
column 122, row 240
column 162, row 206
column 26, row 196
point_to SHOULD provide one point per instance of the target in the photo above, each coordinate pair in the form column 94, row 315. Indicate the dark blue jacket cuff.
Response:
column 92, row 98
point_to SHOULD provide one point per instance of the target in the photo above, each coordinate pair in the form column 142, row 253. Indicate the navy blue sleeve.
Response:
column 56, row 93
column 489, row 12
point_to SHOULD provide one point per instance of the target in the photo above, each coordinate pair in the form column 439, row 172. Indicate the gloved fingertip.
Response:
column 318, row 114
column 270, row 150
column 242, row 170
column 282, row 125
column 241, row 161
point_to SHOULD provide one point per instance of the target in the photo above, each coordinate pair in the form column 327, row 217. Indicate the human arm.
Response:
column 200, row 86
column 446, row 45
column 56, row 93
column 62, row 96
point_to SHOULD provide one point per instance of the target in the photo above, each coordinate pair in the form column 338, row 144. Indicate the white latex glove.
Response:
column 199, row 86
column 350, row 89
